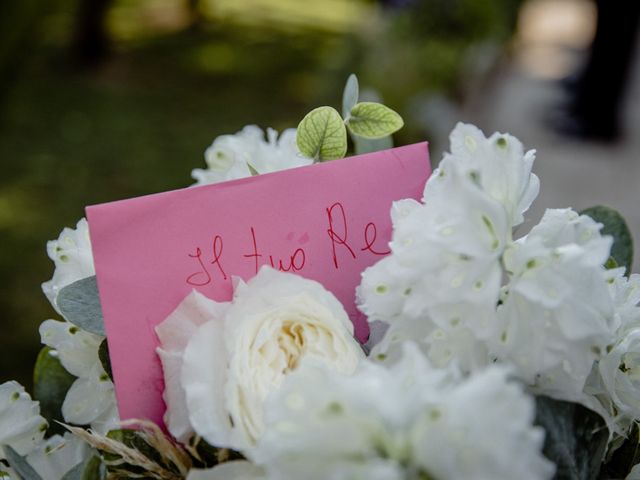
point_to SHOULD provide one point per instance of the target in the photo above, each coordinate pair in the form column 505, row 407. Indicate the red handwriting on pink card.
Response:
column 327, row 222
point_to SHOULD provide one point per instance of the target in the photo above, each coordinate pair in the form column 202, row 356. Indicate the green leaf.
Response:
column 614, row 225
column 576, row 438
column 208, row 456
column 368, row 145
column 132, row 439
column 373, row 120
column 105, row 359
column 80, row 304
column 51, row 382
column 91, row 468
column 20, row 465
column 350, row 95
column 322, row 135
column 625, row 457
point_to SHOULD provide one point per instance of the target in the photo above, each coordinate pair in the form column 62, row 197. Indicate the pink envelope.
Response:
column 327, row 222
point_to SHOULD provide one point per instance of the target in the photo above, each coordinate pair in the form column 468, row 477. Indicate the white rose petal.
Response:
column 174, row 334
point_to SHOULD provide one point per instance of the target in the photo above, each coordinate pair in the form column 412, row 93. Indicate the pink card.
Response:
column 327, row 222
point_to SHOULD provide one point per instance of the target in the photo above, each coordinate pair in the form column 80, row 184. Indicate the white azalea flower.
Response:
column 21, row 426
column 243, row 351
column 626, row 296
column 454, row 343
column 408, row 421
column 558, row 312
column 237, row 156
column 619, row 371
column 57, row 455
column 73, row 259
column 613, row 388
column 498, row 164
column 444, row 253
column 91, row 398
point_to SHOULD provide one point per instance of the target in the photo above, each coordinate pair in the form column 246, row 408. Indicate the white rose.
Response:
column 236, row 354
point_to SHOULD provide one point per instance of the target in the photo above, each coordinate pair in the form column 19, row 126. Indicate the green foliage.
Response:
column 20, row 465
column 80, row 304
column 576, row 438
column 373, row 120
column 616, row 226
column 132, row 439
column 51, row 382
column 322, row 135
column 208, row 456
column 105, row 360
column 91, row 469
column 624, row 457
column 350, row 95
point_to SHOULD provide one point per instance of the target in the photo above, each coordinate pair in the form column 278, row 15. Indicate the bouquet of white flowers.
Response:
column 490, row 356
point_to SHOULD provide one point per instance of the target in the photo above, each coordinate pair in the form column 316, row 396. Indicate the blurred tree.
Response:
column 18, row 19
column 91, row 37
column 195, row 13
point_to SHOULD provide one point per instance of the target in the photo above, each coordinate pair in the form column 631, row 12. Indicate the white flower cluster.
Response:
column 468, row 317
column 407, row 422
column 459, row 283
column 91, row 399
column 22, row 428
column 248, row 153
column 615, row 378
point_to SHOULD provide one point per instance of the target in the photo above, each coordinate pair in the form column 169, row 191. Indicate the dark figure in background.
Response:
column 594, row 109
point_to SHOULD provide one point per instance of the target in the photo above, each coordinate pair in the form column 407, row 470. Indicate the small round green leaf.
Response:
column 614, row 225
column 322, row 135
column 373, row 120
column 51, row 382
column 350, row 95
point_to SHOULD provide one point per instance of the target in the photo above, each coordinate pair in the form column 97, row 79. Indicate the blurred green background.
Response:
column 108, row 99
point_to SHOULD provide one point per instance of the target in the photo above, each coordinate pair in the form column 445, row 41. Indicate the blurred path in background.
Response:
column 523, row 95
